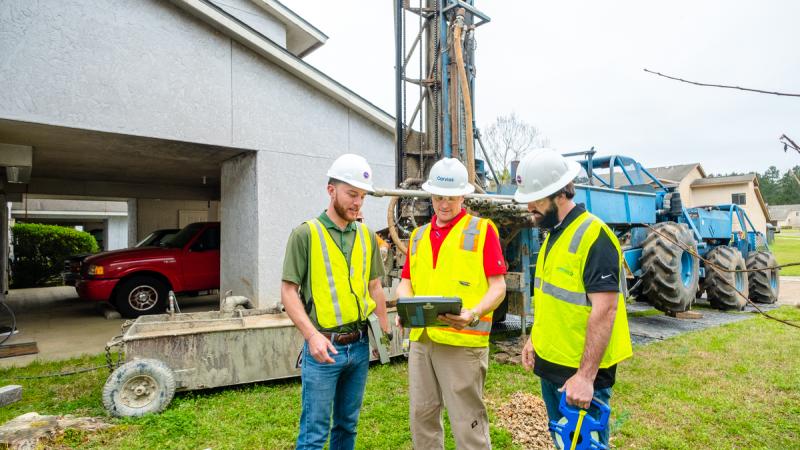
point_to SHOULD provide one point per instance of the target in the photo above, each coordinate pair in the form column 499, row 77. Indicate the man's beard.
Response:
column 342, row 211
column 549, row 219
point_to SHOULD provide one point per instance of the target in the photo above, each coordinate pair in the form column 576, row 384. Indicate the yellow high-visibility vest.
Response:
column 458, row 273
column 340, row 290
column 561, row 307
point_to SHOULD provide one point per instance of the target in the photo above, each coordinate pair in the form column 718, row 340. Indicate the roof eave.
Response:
column 311, row 37
column 273, row 52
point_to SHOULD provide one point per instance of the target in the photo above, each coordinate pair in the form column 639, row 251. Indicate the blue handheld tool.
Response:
column 577, row 430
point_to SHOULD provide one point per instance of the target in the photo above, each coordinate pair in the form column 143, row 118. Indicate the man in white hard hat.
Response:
column 455, row 255
column 580, row 328
column 331, row 284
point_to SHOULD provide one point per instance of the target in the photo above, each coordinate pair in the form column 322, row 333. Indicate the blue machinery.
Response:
column 661, row 238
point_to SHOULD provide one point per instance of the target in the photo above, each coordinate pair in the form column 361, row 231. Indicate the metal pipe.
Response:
column 494, row 198
column 488, row 161
column 398, row 89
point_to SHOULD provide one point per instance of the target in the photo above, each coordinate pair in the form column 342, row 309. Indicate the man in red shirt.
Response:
column 456, row 255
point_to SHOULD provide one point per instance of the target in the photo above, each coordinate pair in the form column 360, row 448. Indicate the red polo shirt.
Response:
column 493, row 262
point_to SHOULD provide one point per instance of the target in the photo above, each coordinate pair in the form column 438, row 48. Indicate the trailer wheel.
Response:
column 764, row 284
column 671, row 274
column 139, row 387
column 723, row 287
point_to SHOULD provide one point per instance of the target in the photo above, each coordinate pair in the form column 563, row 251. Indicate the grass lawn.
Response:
column 736, row 386
column 787, row 250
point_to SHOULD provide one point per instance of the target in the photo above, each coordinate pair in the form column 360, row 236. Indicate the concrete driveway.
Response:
column 65, row 326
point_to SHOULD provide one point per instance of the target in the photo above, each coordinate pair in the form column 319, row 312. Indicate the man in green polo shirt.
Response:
column 331, row 284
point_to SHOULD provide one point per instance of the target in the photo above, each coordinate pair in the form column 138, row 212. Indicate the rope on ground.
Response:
column 61, row 374
column 716, row 267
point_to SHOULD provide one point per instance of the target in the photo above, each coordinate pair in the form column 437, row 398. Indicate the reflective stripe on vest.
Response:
column 469, row 238
column 326, row 257
column 339, row 288
column 458, row 273
column 417, row 236
column 561, row 305
column 576, row 298
column 365, row 273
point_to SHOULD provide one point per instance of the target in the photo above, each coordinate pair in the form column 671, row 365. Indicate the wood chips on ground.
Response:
column 525, row 417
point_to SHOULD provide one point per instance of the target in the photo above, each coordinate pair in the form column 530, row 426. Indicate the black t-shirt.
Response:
column 601, row 274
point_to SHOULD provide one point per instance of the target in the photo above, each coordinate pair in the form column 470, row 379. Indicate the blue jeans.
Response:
column 552, row 397
column 336, row 389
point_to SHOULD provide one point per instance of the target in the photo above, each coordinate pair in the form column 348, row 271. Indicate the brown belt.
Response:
column 345, row 338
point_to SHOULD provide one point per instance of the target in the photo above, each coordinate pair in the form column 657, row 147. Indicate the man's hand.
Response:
column 457, row 321
column 398, row 322
column 527, row 355
column 318, row 346
column 579, row 391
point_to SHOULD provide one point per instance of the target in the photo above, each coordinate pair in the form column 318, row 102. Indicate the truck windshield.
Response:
column 184, row 236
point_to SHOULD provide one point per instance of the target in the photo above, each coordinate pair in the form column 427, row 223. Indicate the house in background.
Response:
column 785, row 216
column 187, row 111
column 740, row 190
column 697, row 189
column 682, row 176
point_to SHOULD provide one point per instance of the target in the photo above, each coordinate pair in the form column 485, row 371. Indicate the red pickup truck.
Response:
column 137, row 280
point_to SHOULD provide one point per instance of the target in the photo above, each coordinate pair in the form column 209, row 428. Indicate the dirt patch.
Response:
column 525, row 417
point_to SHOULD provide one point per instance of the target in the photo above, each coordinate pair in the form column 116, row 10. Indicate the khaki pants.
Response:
column 456, row 375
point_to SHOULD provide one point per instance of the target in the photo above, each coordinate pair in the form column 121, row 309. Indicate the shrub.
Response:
column 40, row 251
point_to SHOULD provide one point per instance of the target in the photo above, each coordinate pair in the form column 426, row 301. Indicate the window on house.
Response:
column 738, row 199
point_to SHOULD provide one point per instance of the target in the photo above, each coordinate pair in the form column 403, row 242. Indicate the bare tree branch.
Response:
column 788, row 143
column 722, row 85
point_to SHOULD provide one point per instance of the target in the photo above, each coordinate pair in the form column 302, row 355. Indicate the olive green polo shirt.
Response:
column 297, row 264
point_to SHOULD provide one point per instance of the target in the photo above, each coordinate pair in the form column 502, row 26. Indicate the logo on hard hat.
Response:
column 366, row 175
column 445, row 179
column 519, row 179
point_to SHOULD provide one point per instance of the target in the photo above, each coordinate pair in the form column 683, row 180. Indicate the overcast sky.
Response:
column 574, row 70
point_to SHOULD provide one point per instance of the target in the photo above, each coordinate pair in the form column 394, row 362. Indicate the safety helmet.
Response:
column 448, row 177
column 541, row 173
column 353, row 170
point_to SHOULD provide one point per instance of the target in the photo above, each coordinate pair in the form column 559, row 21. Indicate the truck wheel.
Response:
column 139, row 387
column 670, row 279
column 141, row 295
column 764, row 284
column 722, row 288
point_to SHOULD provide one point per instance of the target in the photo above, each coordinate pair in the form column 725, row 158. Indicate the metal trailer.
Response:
column 167, row 353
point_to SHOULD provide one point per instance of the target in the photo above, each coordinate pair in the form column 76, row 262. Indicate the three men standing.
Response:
column 331, row 284
column 455, row 255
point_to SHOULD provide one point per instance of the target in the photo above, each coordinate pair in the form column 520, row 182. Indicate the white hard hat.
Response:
column 353, row 170
column 448, row 177
column 543, row 172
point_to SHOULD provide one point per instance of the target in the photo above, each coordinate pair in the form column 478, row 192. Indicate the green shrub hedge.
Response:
column 40, row 251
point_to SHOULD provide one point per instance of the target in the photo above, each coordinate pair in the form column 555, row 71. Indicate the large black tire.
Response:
column 721, row 287
column 664, row 284
column 764, row 284
column 139, row 387
column 141, row 295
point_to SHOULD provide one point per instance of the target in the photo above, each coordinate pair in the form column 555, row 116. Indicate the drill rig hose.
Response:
column 462, row 75
column 393, row 226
